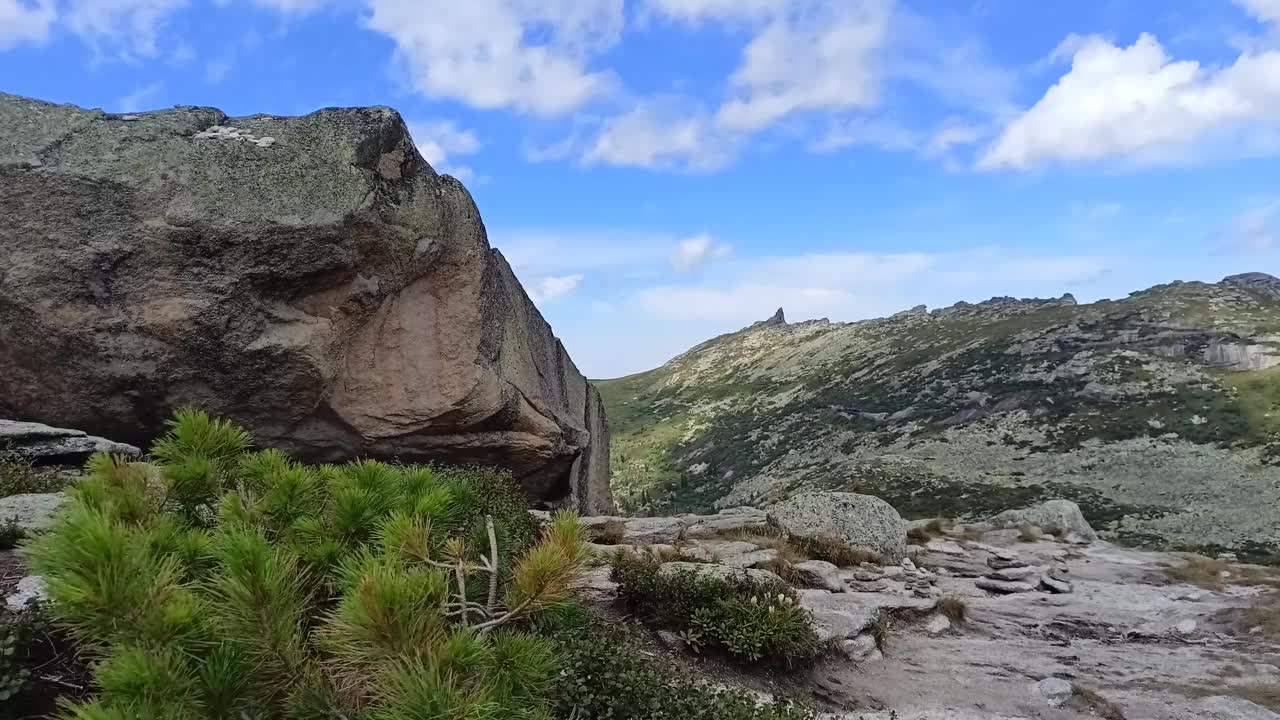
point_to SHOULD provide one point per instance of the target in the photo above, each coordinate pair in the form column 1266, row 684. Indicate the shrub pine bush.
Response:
column 219, row 582
column 750, row 620
column 606, row 673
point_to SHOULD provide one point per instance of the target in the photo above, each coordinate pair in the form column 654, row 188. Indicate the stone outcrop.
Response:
column 50, row 445
column 312, row 278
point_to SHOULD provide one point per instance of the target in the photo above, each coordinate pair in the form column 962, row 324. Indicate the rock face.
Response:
column 312, row 278
column 861, row 521
column 50, row 445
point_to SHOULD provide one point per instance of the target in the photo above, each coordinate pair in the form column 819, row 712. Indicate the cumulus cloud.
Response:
column 552, row 288
column 528, row 55
column 1263, row 10
column 1125, row 101
column 692, row 253
column 658, row 134
column 819, row 56
column 1256, row 230
column 129, row 27
column 437, row 140
column 22, row 21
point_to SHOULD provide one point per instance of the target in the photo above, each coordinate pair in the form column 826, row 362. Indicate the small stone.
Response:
column 998, row 563
column 1186, row 627
column 946, row 547
column 1055, row 585
column 908, row 565
column 1003, row 587
column 1015, row 573
column 937, row 625
column 671, row 640
column 820, row 574
column 28, row 589
column 1055, row 691
column 858, row 648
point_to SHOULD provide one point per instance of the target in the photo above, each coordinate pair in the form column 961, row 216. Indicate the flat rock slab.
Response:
column 48, row 445
column 719, row 572
column 846, row 615
column 1004, row 587
column 34, row 512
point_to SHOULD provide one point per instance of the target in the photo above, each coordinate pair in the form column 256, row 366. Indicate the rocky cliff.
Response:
column 1159, row 413
column 312, row 278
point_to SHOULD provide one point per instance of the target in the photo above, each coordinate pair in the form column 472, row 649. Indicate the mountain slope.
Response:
column 1158, row 413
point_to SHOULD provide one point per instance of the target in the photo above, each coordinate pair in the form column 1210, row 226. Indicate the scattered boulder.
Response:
column 46, row 445
column 860, row 521
column 1055, row 691
column 327, row 289
column 937, row 625
column 820, row 574
column 1054, row 585
column 1060, row 517
column 860, row 648
column 34, row 512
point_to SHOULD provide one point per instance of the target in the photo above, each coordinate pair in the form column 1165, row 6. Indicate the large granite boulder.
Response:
column 860, row 521
column 312, row 278
column 1060, row 517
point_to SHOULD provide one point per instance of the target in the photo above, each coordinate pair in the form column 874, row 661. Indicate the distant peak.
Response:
column 779, row 318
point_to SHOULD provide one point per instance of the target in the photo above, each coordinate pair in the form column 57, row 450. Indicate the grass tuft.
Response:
column 954, row 607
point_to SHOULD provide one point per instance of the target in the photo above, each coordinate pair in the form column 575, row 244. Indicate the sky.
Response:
column 662, row 171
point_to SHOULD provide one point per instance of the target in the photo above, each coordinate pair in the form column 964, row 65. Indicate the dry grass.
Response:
column 880, row 631
column 1090, row 701
column 787, row 550
column 785, row 570
column 1029, row 533
column 932, row 529
column 1201, row 571
column 834, row 551
column 1265, row 613
column 954, row 607
column 610, row 533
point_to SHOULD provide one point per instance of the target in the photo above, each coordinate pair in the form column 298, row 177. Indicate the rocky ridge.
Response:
column 1158, row 413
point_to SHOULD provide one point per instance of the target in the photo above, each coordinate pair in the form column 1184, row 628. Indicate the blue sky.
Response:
column 660, row 171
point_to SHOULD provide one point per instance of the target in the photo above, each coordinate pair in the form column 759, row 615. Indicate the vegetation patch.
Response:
column 1198, row 570
column 747, row 619
column 954, row 607
column 19, row 477
column 605, row 671
column 216, row 582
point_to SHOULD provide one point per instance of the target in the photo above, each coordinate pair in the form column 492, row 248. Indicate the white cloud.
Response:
column 144, row 98
column 437, row 140
column 130, row 27
column 950, row 136
column 692, row 253
column 700, row 10
column 1254, row 231
column 293, row 6
column 821, row 55
column 1131, row 101
column 1263, row 10
column 529, row 55
column 656, row 134
column 551, row 288
column 857, row 285
column 25, row 22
